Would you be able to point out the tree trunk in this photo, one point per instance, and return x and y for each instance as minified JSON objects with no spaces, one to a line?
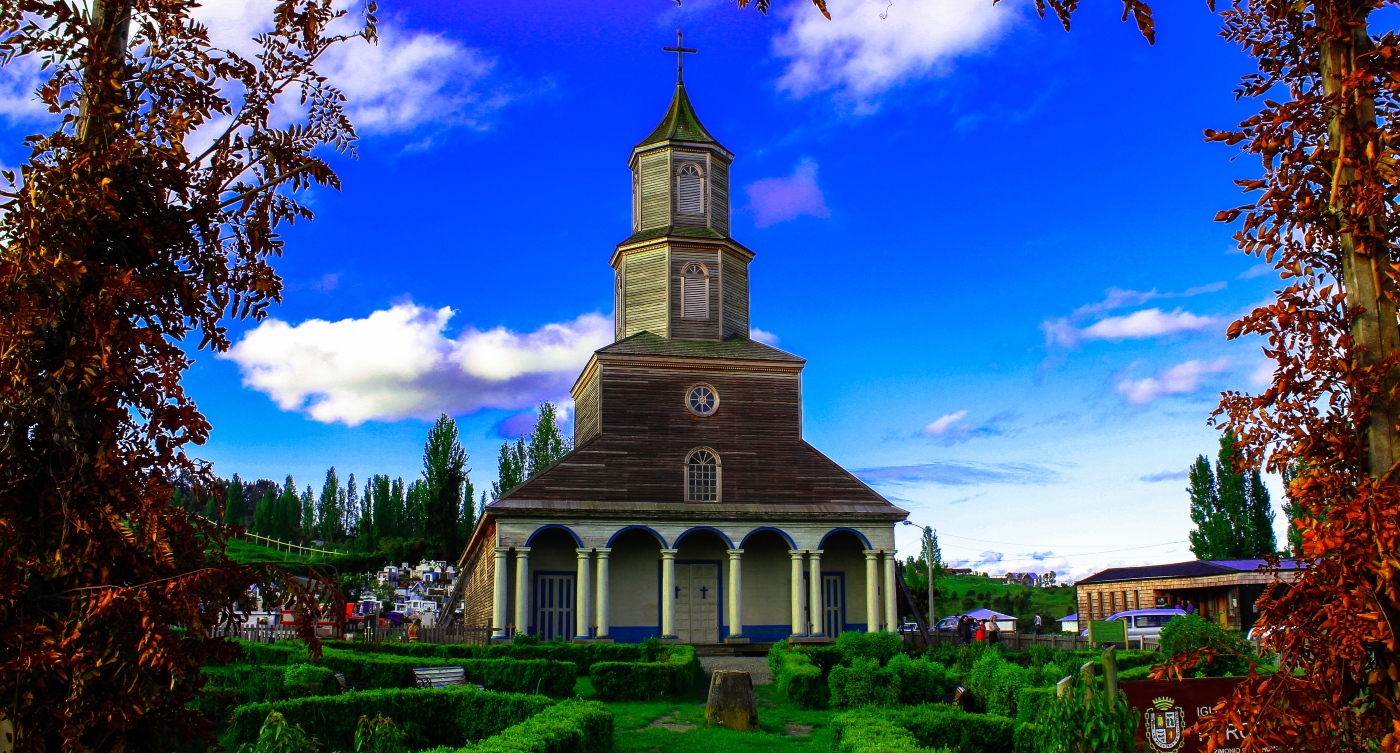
{"x":1365,"y":255}
{"x":731,"y":703}
{"x":111,"y":26}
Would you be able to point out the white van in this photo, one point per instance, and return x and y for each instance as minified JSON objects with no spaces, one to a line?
{"x":1144,"y":623}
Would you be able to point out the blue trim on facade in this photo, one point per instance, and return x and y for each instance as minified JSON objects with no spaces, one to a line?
{"x":855,"y":627}
{"x":703,"y":528}
{"x":570,"y":531}
{"x":621,"y":531}
{"x":852,"y":530}
{"x":791,"y":544}
{"x":633,"y":634}
{"x":767,"y":633}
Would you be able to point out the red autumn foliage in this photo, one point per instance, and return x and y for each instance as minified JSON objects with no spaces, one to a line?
{"x":118,"y":243}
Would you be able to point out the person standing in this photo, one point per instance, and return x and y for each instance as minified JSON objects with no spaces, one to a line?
{"x":993,"y":631}
{"x":981,"y":631}
{"x":413,"y":630}
{"x":1037,"y":624}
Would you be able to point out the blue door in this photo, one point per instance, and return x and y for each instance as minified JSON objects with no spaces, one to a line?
{"x":554,"y":605}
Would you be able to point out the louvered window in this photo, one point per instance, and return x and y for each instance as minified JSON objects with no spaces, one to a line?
{"x":702,"y":477}
{"x":695,"y":292}
{"x":690,"y":190}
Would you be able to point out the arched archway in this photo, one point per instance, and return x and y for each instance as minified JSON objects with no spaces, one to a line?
{"x":634,"y":586}
{"x":702,"y":572}
{"x":843,"y":584}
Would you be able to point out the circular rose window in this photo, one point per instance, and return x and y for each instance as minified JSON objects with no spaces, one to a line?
{"x":702,"y":400}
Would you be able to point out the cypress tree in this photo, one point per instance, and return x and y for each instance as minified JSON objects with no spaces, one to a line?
{"x":286,"y":519}
{"x":444,"y":474}
{"x":398,"y":504}
{"x":1232,"y":512}
{"x":308,"y":515}
{"x":211,"y":510}
{"x":235,"y":505}
{"x":383,"y":509}
{"x":262,"y":514}
{"x":351,"y":511}
{"x":512,"y":465}
{"x":547,"y":443}
{"x":328,"y":507}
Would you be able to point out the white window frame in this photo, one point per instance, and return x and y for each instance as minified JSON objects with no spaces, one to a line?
{"x":718,"y":474}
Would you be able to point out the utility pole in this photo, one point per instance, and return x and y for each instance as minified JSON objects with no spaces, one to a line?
{"x":928,"y":560}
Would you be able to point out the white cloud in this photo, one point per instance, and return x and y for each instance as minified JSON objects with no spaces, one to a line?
{"x":870,"y":46}
{"x":1258,"y":270}
{"x":19,"y":82}
{"x":406,"y":80}
{"x":1146,"y":323}
{"x":775,"y":200}
{"x":1181,"y":379}
{"x":763,"y":336}
{"x":1263,"y":374}
{"x":942,"y":425}
{"x":396,"y":363}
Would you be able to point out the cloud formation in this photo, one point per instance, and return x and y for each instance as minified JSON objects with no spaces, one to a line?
{"x":775,"y":200}
{"x":941,"y":426}
{"x":765,"y":337}
{"x":397,"y":363}
{"x":1146,"y":323}
{"x":954,"y":473}
{"x":1153,"y":478}
{"x":1070,"y":331}
{"x":1258,"y":270}
{"x":951,"y":429}
{"x":871,"y":46}
{"x":19,"y":82}
{"x":1181,"y":379}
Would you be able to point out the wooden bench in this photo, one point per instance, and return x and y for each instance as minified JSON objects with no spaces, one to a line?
{"x":344,"y":685}
{"x":439,"y":677}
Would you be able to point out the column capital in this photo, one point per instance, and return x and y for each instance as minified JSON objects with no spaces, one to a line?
{"x":815,"y":552}
{"x":669,"y":554}
{"x":583,"y":552}
{"x":502,"y":553}
{"x":796,"y":553}
{"x":734,"y":553}
{"x":871,"y":554}
{"x":603,"y":551}
{"x":522,"y":550}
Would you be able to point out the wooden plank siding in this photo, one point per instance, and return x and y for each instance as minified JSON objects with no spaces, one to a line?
{"x":647,"y":432}
{"x":645,"y":292}
{"x":694,"y":329}
{"x":480,"y":572}
{"x":719,"y":194}
{"x":702,"y":159}
{"x":735,"y":311}
{"x":656,"y":188}
{"x":587,"y":420}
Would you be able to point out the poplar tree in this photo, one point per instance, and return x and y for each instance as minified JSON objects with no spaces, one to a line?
{"x":307,"y":529}
{"x":328,"y":506}
{"x":350,"y":514}
{"x":262,"y":514}
{"x":444,"y":475}
{"x":235,"y":505}
{"x":286,"y":520}
{"x":547,"y":443}
{"x":398,"y":507}
{"x":1232,"y":512}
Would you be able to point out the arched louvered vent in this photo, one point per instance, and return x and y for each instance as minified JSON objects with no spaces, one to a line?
{"x":690,"y":190}
{"x":695,"y":292}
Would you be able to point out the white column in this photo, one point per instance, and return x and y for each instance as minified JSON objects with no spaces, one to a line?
{"x":891,"y":620}
{"x":522,"y":590}
{"x":498,"y":603}
{"x":736,"y":594}
{"x":815,"y":606}
{"x":872,"y":591}
{"x":797,"y":626}
{"x":603,"y":592}
{"x":668,"y":593}
{"x":582,"y":596}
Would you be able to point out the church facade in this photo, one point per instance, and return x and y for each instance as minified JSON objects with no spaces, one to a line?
{"x":690,"y":507}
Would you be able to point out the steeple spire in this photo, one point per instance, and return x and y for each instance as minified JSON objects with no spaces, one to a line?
{"x":680,"y":49}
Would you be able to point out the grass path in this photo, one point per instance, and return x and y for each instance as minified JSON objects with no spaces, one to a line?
{"x":678,"y":726}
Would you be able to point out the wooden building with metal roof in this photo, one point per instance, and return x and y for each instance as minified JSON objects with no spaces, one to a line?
{"x":1224,"y":591}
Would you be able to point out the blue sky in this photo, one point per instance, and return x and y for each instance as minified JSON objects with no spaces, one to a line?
{"x":992,"y":240}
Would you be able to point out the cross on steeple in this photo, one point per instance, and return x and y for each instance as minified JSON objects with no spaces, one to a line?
{"x":680,"y":49}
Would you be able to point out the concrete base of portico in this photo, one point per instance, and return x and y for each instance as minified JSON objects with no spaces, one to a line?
{"x":736,"y":639}
{"x":591,"y":640}
{"x":816,"y":639}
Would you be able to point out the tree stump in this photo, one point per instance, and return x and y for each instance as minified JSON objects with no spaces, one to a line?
{"x":731,"y":703}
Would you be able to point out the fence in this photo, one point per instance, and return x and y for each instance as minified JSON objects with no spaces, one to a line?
{"x":283,"y":546}
{"x":1009,"y":641}
{"x":256,"y":633}
{"x":478,"y":636}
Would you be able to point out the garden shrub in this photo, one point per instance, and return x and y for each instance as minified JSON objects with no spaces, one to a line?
{"x":920,"y":680}
{"x":800,"y":681}
{"x":1193,"y":632}
{"x":939,"y":726}
{"x":879,"y":646}
{"x":551,"y":678}
{"x":1026,"y":739}
{"x":278,"y":736}
{"x":448,"y":716}
{"x":1006,"y":681}
{"x":1136,"y":673}
{"x":676,"y":671}
{"x":864,"y":683}
{"x":378,"y":735}
{"x":570,"y":727}
{"x":307,"y":679}
{"x":864,"y":732}
{"x":1030,"y":702}
{"x":584,"y":655}
{"x":283,"y":652}
{"x":1102,"y":724}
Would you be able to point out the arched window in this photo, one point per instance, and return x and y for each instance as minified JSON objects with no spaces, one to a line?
{"x":702,"y":476}
{"x":695,"y":292}
{"x":690,"y":190}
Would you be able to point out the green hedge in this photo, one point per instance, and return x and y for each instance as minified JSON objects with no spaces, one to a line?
{"x":449,"y":716}
{"x":584,"y":655}
{"x":865,"y":732}
{"x":938,"y":726}
{"x":570,"y":727}
{"x":675,"y":672}
{"x":552,"y":678}
{"x":1029,"y":702}
{"x":880,"y":647}
{"x":921,"y":680}
{"x":864,"y":683}
{"x":799,"y":680}
{"x":282,"y":652}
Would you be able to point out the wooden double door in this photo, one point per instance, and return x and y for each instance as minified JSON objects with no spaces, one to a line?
{"x":697,"y":602}
{"x":554,"y":605}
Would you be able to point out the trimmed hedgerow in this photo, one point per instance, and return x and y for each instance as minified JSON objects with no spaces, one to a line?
{"x":283,"y":652}
{"x":552,"y":678}
{"x":1029,"y":702}
{"x":881,"y":647}
{"x":921,"y":680}
{"x":938,"y":726}
{"x":864,"y":732}
{"x":674,"y":672}
{"x":449,"y":716}
{"x":570,"y":727}
{"x":864,"y":683}
{"x":800,"y":681}
{"x":584,"y":655}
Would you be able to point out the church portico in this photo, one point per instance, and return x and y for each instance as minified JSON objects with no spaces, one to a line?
{"x":690,"y":507}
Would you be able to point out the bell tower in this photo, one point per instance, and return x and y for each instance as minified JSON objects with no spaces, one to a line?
{"x":679,"y":275}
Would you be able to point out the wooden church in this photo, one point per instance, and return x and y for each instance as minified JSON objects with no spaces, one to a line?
{"x":690,"y":508}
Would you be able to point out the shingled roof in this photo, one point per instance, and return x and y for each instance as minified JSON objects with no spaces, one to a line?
{"x":680,"y":124}
{"x":737,"y":347}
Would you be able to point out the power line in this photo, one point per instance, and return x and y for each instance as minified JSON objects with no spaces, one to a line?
{"x":1108,"y":551}
{"x":1013,"y":543}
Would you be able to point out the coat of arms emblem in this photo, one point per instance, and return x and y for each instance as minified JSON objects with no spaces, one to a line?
{"x":1166,"y":723}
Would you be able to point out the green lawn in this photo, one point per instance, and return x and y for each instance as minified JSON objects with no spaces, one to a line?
{"x":246,"y":551}
{"x":1053,"y":602}
{"x":679,"y":726}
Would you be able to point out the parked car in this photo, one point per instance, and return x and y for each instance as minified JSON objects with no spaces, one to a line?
{"x":1144,"y":623}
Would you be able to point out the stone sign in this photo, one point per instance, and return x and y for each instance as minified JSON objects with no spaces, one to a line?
{"x":1170,"y":707}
